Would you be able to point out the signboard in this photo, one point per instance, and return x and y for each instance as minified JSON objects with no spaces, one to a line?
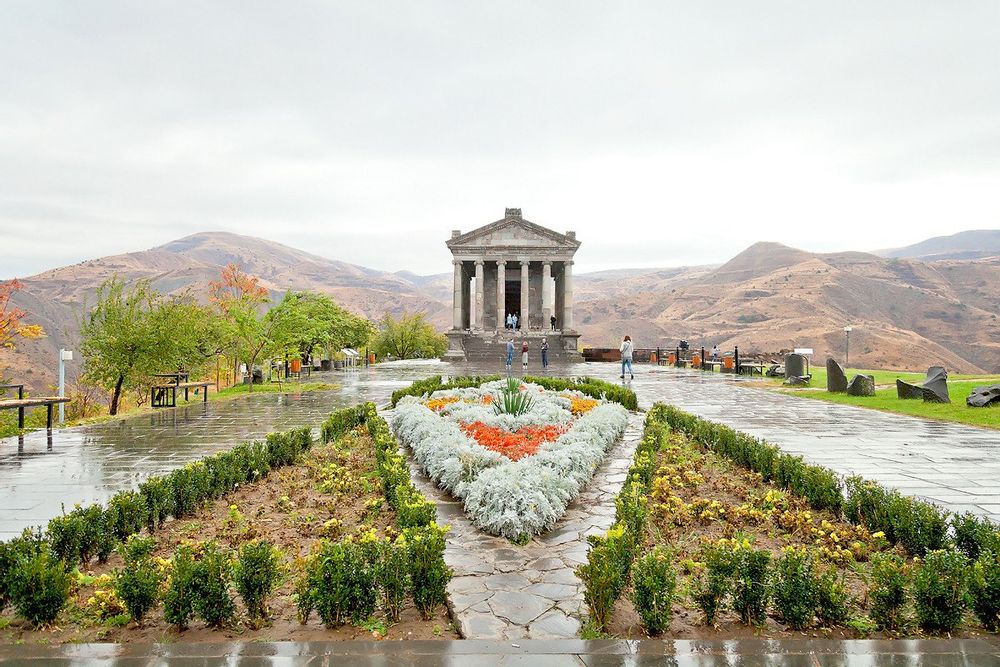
{"x":803,"y":350}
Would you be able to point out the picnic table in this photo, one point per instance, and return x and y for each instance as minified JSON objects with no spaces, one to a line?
{"x":165,"y":395}
{"x":750,"y":367}
{"x":710,"y":365}
{"x":20,"y":403}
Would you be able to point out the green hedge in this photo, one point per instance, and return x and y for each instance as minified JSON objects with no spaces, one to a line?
{"x":435,"y":383}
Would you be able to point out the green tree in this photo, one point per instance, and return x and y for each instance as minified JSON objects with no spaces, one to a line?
{"x":408,"y":337}
{"x":242,"y":300}
{"x":135,"y":332}
{"x":309,"y":321}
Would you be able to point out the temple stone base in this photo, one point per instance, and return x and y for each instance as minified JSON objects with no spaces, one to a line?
{"x":492,"y":346}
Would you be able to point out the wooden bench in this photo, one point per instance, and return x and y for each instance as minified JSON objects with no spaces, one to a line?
{"x":710,"y":365}
{"x":165,"y":395}
{"x":20,"y":403}
{"x":749,"y":368}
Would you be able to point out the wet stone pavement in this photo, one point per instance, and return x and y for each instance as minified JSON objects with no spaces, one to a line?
{"x":504,"y":591}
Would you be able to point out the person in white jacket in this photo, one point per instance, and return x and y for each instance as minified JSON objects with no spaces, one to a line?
{"x":626,"y":350}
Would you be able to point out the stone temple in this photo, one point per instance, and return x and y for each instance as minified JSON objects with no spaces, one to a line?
{"x":512,"y":266}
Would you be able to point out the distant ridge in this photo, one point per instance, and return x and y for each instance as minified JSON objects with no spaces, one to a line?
{"x":971,"y":244}
{"x":907,"y":313}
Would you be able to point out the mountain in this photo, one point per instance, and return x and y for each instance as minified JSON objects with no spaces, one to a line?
{"x":963,"y":245}
{"x":57,"y":299}
{"x":906,"y":313}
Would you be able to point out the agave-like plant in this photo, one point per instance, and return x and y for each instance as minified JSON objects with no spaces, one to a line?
{"x":511,"y":400}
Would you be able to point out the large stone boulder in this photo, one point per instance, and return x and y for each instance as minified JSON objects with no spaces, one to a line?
{"x":836,"y":379}
{"x":982,"y":397}
{"x":861,"y":385}
{"x":798,"y":381}
{"x":906,"y":390}
{"x":935,"y":388}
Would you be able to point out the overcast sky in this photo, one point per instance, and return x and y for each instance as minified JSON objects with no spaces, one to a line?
{"x":663,"y":133}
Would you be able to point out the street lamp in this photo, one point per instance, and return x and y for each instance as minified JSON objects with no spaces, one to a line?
{"x":64,"y":356}
{"x":847,"y":346}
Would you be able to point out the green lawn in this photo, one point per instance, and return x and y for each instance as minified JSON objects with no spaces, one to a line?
{"x":959,"y":386}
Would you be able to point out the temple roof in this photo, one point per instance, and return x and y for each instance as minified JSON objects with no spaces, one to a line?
{"x":515,"y":233}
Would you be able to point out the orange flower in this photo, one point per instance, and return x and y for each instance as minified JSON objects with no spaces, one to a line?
{"x":439,"y":404}
{"x":524,"y":442}
{"x":579,"y":406}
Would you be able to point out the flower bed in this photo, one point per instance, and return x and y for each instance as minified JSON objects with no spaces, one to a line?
{"x":721,"y":534}
{"x":516,"y":473}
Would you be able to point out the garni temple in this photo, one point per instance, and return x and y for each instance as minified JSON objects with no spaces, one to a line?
{"x":512,"y":267}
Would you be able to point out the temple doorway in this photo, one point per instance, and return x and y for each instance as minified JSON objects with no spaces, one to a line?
{"x":512,"y":299}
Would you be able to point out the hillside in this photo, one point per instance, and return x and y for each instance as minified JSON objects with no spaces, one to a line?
{"x":58,"y":298}
{"x":971,"y":244}
{"x":906,"y":313}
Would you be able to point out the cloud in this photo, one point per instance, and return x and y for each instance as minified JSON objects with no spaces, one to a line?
{"x":663,"y":133}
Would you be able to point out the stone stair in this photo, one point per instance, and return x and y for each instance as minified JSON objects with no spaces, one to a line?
{"x":489,"y":347}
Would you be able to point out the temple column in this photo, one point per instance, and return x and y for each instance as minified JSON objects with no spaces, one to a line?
{"x":501,"y":294}
{"x":457,"y":320}
{"x":525,"y":293}
{"x":546,"y":294}
{"x":466,"y":299}
{"x":480,"y":297}
{"x":568,"y":296}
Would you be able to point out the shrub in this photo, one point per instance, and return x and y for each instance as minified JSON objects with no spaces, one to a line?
{"x":631,"y":510}
{"x":984,"y":589}
{"x":751,"y":583}
{"x":329,"y":584}
{"x":303,"y":592}
{"x":178,"y":601}
{"x":412,"y":508}
{"x":40,"y":586}
{"x":796,"y":587}
{"x":711,"y":587}
{"x":832,"y":598}
{"x":889,"y":580}
{"x":159,"y":496}
{"x":138,"y":584}
{"x":190,"y":486}
{"x":65,"y":535}
{"x":210,"y":579}
{"x":654,"y":581}
{"x":918,"y":526}
{"x":606,"y":572}
{"x":340,"y":422}
{"x":429,"y":574}
{"x":98,"y":538}
{"x":394,"y":577}
{"x":939,"y":590}
{"x":975,"y":536}
{"x":126,"y":514}
{"x":256,"y":574}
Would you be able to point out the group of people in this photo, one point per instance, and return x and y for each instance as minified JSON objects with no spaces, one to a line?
{"x":512,"y":322}
{"x":543,"y":348}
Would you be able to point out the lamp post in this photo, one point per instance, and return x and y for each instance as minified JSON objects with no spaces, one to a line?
{"x":64,"y":356}
{"x":847,"y":345}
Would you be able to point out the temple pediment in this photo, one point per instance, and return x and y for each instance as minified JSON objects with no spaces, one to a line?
{"x":513,"y":232}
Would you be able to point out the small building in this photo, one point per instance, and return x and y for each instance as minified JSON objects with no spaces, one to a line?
{"x":512,"y":267}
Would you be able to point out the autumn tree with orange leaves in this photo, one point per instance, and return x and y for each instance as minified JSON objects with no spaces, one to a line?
{"x":242,"y":300}
{"x":12,"y":324}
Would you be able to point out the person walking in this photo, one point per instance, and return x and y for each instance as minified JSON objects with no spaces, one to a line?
{"x":552,"y":321}
{"x":510,"y":353}
{"x":626,"y":350}
{"x":510,"y":322}
{"x":545,"y":354}
{"x":524,"y":354}
{"x":513,"y":321}
{"x":715,"y":353}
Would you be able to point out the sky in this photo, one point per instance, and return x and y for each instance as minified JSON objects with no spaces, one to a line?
{"x":663,"y":133}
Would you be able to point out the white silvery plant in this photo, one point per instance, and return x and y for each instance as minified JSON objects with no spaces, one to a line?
{"x":509,"y":498}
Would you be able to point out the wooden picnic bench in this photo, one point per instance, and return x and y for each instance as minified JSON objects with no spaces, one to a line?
{"x":165,"y":395}
{"x":749,"y":368}
{"x":20,"y":403}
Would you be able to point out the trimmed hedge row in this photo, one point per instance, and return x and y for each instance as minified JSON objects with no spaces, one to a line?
{"x":412,"y":508}
{"x":34,"y":567}
{"x":586,"y":385}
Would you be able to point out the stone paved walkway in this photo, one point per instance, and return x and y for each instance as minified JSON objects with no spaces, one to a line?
{"x":503,"y":591}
